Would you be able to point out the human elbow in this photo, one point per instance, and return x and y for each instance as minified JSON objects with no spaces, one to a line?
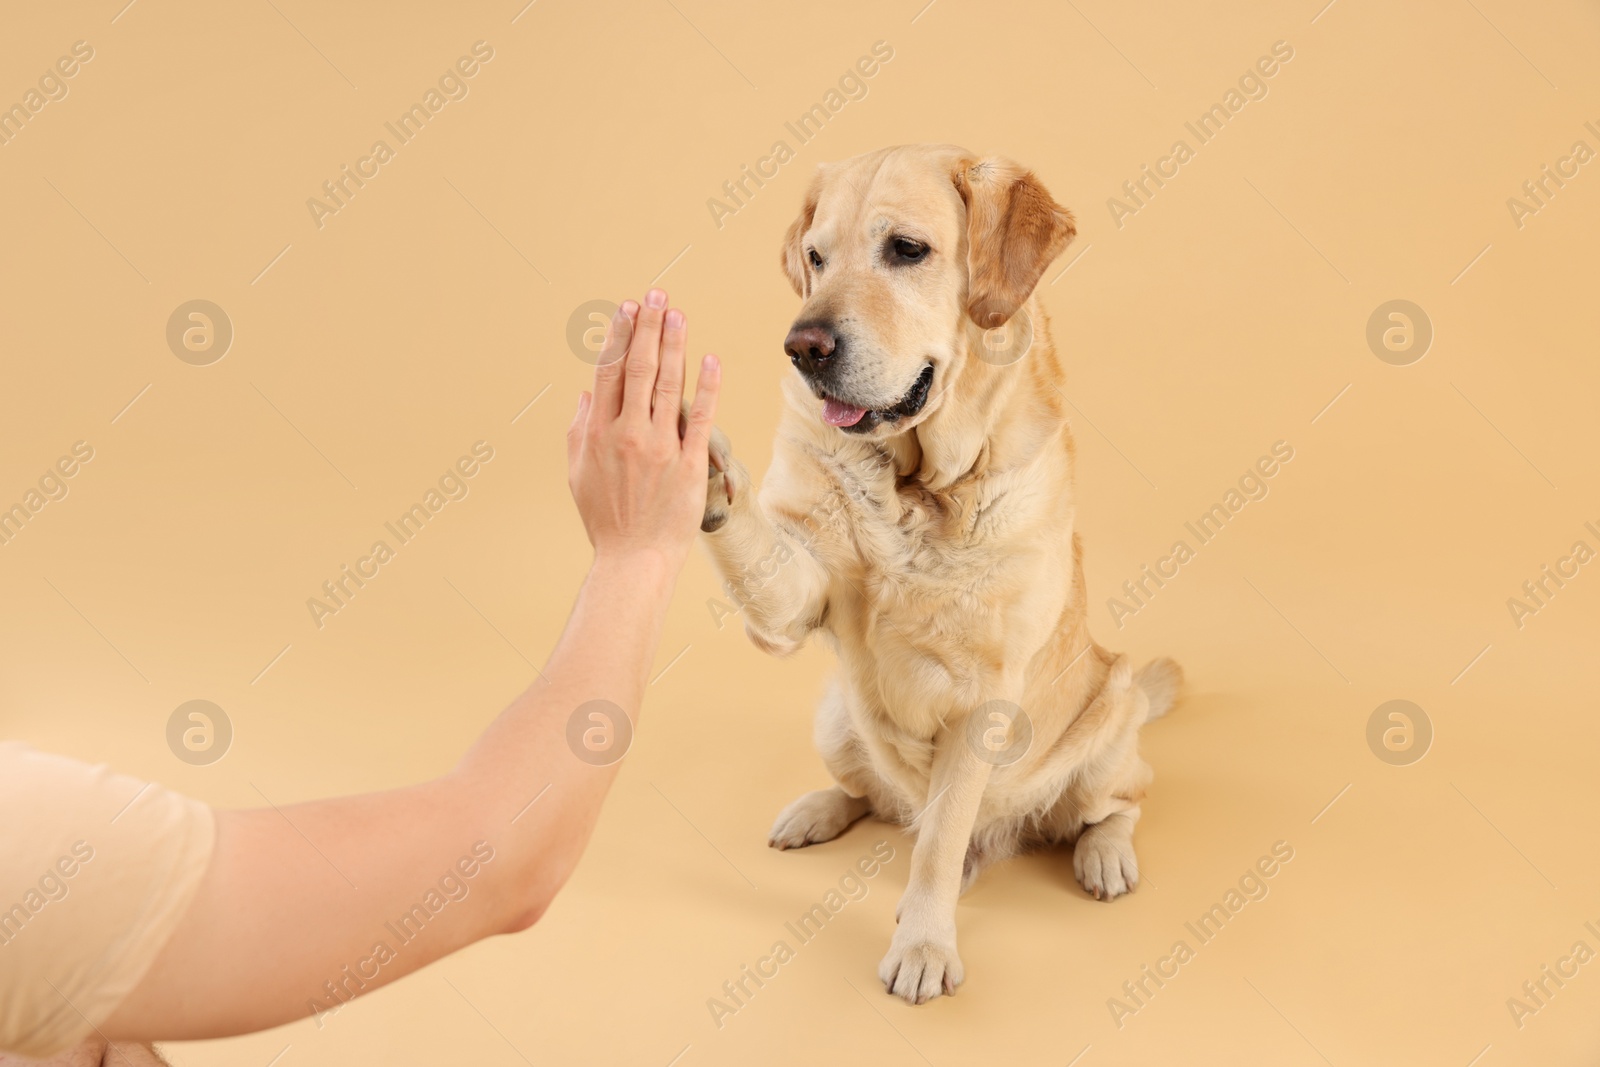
{"x":536,"y":891}
{"x":522,"y":919}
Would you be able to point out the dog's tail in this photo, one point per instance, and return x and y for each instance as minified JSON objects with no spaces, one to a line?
{"x":1161,"y":679}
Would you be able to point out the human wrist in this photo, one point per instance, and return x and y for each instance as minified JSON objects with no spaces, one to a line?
{"x":646,"y":570}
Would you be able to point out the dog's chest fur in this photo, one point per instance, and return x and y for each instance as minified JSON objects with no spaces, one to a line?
{"x":933,"y":593}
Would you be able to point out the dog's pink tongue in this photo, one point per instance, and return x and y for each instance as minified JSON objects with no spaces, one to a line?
{"x":838,"y":413}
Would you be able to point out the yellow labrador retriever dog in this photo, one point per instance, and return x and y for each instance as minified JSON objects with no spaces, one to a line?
{"x":919,"y":512}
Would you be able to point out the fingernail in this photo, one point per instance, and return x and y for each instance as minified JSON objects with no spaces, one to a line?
{"x":630,"y":308}
{"x":674,"y":319}
{"x":656,"y":298}
{"x":711,"y":362}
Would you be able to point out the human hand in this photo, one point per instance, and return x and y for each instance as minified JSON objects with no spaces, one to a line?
{"x":638,"y":480}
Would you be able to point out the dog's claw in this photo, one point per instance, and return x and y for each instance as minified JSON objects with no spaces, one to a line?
{"x":1104,"y":863}
{"x":920,"y":971}
{"x":719,"y":469}
{"x":816,"y":817}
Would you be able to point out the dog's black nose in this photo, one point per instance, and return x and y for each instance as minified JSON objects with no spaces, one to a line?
{"x":810,"y":347}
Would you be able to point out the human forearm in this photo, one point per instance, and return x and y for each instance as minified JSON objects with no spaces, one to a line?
{"x":298,"y":898}
{"x":604,"y":655}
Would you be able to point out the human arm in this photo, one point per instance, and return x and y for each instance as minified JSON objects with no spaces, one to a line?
{"x":287,"y":918}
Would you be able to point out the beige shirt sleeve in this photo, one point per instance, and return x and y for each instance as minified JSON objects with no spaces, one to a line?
{"x":96,"y":870}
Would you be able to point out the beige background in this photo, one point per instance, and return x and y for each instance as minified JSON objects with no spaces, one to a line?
{"x":1222,"y":317}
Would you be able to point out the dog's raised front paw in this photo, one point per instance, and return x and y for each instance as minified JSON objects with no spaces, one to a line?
{"x":719,"y":482}
{"x":1104,"y":863}
{"x":917,"y":969}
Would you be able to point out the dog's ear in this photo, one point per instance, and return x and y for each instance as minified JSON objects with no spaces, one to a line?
{"x":792,"y":256}
{"x":1014,"y":230}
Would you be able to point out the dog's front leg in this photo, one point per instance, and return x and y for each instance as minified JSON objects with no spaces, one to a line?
{"x":768,"y":569}
{"x":922,"y":961}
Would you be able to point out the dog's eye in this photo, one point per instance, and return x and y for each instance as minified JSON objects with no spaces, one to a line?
{"x":816,"y":260}
{"x":906,"y":250}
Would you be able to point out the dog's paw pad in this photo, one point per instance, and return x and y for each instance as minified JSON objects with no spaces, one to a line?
{"x":717,"y":493}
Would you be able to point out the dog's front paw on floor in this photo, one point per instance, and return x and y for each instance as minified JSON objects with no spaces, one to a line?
{"x":917,"y":969}
{"x":816,"y":817}
{"x":1104,"y":863}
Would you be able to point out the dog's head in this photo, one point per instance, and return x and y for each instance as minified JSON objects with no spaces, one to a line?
{"x":900,"y":255}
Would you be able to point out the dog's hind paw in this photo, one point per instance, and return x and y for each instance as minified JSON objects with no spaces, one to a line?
{"x":816,"y":817}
